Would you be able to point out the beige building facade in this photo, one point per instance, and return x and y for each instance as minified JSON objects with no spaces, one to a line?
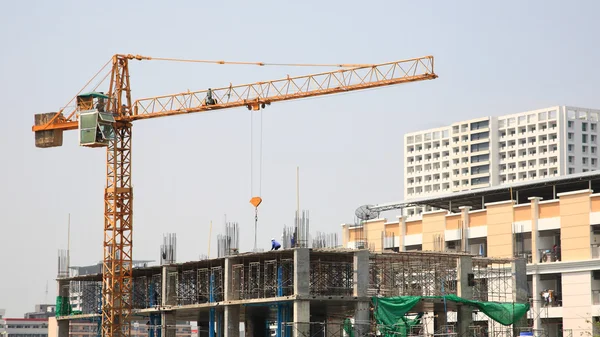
{"x":559,"y":236}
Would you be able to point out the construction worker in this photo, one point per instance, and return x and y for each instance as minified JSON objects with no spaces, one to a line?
{"x":275,"y":245}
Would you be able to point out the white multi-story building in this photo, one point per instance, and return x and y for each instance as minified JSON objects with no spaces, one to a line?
{"x":490,"y":151}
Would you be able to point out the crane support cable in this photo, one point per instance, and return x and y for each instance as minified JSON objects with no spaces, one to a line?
{"x":70,"y":116}
{"x":262,"y":64}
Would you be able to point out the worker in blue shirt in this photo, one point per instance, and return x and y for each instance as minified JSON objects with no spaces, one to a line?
{"x":274,"y":244}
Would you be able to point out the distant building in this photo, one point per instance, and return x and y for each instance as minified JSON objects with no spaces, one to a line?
{"x":3,"y":332}
{"x":42,"y":311}
{"x":493,"y":151}
{"x":26,"y":327}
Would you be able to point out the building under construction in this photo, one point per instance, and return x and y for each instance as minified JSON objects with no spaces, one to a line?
{"x":318,"y":292}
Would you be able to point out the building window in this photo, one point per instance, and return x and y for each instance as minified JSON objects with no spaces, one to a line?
{"x":480,"y":169}
{"x":481,"y":135}
{"x":480,"y":125}
{"x":570,"y":147}
{"x":584,"y":160}
{"x":583,"y":126}
{"x":570,"y":124}
{"x":571,"y":170}
{"x":570,"y":135}
{"x":584,"y":148}
{"x":480,"y":147}
{"x":594,"y":161}
{"x":593,"y":126}
{"x":571,"y":159}
{"x":584,"y":138}
{"x":482,"y":180}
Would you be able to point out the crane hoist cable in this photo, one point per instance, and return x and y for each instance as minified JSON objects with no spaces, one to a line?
{"x":256,"y":200}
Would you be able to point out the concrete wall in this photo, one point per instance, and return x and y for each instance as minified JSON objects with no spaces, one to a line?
{"x":434,"y":224}
{"x":500,"y":222}
{"x":575,"y":225}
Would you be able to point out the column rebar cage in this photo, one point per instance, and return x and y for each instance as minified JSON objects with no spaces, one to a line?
{"x":63,"y":263}
{"x":412,"y":274}
{"x":228,"y":243}
{"x":325,"y":240}
{"x":302,"y":229}
{"x":168,"y":250}
{"x":329,"y":276}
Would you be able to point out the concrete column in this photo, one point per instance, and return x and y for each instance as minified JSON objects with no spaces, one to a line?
{"x":440,"y":319}
{"x":232,"y":321}
{"x":302,"y":290}
{"x":519,"y":289}
{"x":535,"y":232}
{"x":301,"y":318}
{"x":63,"y":328}
{"x":537,"y":303}
{"x":168,"y":324}
{"x":402,"y":222}
{"x":301,"y":272}
{"x":361,"y":286}
{"x":361,"y":273}
{"x":169,"y":288}
{"x":464,"y":315}
{"x":202,"y":329}
{"x":231,"y":285}
{"x":63,"y":291}
{"x":464,"y":239}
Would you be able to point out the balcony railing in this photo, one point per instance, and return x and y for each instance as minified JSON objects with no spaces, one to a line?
{"x":548,"y":255}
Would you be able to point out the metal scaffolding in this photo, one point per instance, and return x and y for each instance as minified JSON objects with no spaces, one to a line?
{"x":412,"y":274}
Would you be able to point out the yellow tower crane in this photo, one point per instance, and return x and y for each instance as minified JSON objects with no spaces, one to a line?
{"x":105,"y":120}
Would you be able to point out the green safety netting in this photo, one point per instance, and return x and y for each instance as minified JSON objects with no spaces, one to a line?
{"x":63,"y":307}
{"x":389,"y":311}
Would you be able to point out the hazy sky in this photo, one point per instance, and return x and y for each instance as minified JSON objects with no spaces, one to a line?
{"x":504,"y":58}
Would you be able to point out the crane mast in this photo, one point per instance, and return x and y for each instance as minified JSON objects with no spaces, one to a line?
{"x":109,"y":124}
{"x":117,"y":267}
